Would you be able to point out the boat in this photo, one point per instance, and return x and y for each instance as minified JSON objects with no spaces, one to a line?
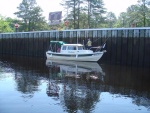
{"x":59,"y":50}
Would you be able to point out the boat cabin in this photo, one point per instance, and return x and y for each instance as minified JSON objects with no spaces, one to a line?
{"x":72,"y":48}
{"x":62,"y":47}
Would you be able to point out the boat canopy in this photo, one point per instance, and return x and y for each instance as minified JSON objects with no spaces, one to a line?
{"x":58,"y":43}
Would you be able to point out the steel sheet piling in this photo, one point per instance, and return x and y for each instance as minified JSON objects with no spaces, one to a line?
{"x":125,"y":46}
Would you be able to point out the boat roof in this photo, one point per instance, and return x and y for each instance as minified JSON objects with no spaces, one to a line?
{"x":73,"y":45}
{"x":57,"y":42}
{"x":63,"y":43}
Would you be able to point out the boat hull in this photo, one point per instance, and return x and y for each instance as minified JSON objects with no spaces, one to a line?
{"x":74,"y":57}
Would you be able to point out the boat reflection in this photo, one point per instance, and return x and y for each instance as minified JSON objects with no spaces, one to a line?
{"x":60,"y":70}
{"x":77,"y":69}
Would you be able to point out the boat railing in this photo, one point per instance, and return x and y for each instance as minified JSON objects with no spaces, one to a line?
{"x":96,"y":49}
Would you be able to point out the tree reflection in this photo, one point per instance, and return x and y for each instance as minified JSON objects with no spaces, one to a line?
{"x":27,"y":83}
{"x":52,"y":89}
{"x":80,"y":91}
{"x":78,"y":99}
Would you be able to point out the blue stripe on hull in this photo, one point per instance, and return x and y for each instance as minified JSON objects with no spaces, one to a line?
{"x":70,"y":55}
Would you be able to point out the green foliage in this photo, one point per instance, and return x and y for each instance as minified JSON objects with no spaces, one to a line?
{"x":5,"y":25}
{"x":110,"y":19}
{"x":31,"y":15}
{"x":137,"y":15}
{"x":84,"y":13}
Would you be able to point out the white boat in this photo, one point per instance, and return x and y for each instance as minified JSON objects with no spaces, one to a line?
{"x":73,"y":52}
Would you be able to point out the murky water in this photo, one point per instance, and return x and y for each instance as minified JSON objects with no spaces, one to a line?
{"x":44,"y":86}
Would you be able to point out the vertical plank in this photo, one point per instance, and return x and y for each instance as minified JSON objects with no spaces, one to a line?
{"x":124,"y":45}
{"x":147,"y":49}
{"x":135,"y":52}
{"x":119,"y":46}
{"x":1,"y":44}
{"x":130,"y":47}
{"x":141,"y":48}
{"x":114,"y":48}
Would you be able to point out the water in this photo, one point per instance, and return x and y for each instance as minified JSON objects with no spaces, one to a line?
{"x":44,"y":86}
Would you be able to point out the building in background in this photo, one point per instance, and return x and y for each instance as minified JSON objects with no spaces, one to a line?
{"x":55,"y":18}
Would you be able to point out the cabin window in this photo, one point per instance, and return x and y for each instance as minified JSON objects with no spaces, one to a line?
{"x":74,"y":48}
{"x":80,"y":48}
{"x":64,"y":48}
{"x":71,"y":47}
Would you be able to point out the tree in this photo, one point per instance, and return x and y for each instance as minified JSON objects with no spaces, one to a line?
{"x":31,"y":15}
{"x":132,"y":16}
{"x":72,"y":9}
{"x":92,"y":10}
{"x":5,"y":25}
{"x":143,"y":9}
{"x":95,"y":11}
{"x":122,"y":20}
{"x":111,"y":19}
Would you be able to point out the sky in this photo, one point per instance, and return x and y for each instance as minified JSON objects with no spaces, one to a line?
{"x":8,"y":7}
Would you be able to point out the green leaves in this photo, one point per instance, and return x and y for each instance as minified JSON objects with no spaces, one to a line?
{"x":84,"y":13}
{"x":4,"y":25}
{"x":31,"y":15}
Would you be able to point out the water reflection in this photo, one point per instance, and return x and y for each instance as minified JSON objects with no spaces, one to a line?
{"x":77,"y":69}
{"x":78,"y":88}
{"x":83,"y":83}
{"x":72,"y":87}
